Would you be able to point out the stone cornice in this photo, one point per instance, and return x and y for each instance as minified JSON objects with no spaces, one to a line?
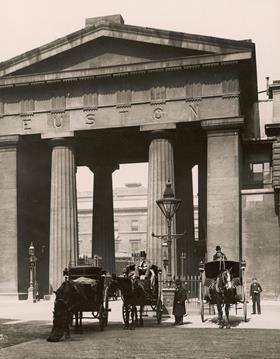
{"x":222,"y":123}
{"x":185,"y":63}
{"x":9,"y":141}
{"x":128,"y":32}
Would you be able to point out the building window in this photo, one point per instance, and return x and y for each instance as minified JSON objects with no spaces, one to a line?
{"x":134,"y":246}
{"x":260,"y":172}
{"x":134,"y":225}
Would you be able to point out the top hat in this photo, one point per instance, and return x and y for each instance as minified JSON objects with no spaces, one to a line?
{"x":218,"y":248}
{"x":142,"y":254}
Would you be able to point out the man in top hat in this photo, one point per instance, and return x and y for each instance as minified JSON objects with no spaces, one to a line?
{"x":179,"y":308}
{"x":219,"y":255}
{"x":145,"y":269}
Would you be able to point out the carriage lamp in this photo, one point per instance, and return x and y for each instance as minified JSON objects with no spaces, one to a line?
{"x":168,"y":206}
{"x":243,"y":265}
{"x":32,"y":277}
{"x":201,"y":267}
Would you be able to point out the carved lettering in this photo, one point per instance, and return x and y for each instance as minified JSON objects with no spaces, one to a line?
{"x":90,"y":119}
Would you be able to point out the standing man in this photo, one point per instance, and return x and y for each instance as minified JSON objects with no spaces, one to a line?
{"x":219,"y":255}
{"x":255,"y":293}
{"x":179,"y":308}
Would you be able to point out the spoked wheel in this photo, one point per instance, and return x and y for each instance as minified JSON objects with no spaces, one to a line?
{"x":159,"y":311}
{"x":102,"y":317}
{"x":106,"y":306}
{"x":201,"y":303}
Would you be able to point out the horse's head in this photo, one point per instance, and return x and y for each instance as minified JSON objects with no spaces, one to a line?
{"x":226,"y":279}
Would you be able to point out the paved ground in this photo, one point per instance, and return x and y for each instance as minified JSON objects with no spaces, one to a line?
{"x":24,"y":327}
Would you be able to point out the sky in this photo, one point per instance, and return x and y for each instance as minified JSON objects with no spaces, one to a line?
{"x":27,"y":24}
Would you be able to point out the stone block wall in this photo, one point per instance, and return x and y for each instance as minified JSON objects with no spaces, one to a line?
{"x":261,"y":240}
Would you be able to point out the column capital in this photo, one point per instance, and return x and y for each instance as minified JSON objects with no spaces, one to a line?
{"x":223,"y":124}
{"x":161,"y":134}
{"x":104,"y":166}
{"x":63,"y":142}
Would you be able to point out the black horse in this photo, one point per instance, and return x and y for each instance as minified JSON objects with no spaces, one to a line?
{"x":223,"y":293}
{"x":133,"y":295}
{"x":70,"y":298}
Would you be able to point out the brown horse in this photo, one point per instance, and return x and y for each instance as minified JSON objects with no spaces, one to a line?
{"x":133,"y":295}
{"x":70,"y":297}
{"x":223,"y":293}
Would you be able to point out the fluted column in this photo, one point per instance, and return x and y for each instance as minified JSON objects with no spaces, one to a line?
{"x":103,"y":242}
{"x":161,"y":169}
{"x":63,"y":221}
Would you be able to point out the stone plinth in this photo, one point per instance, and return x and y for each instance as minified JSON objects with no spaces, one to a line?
{"x":167,"y":299}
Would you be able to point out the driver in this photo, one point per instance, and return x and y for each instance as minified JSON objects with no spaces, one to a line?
{"x":145,"y":270}
{"x":219,"y":255}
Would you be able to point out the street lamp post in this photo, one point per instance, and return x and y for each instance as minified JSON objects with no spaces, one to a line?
{"x":168,"y":206}
{"x":183,"y":257}
{"x":32,"y":275}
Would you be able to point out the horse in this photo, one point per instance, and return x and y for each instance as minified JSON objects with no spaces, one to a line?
{"x":70,"y":297}
{"x":133,"y":295}
{"x":223,"y":293}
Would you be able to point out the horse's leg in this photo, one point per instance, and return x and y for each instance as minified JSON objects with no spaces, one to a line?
{"x":220,"y":315}
{"x":126,"y":324}
{"x":227,"y":315}
{"x":133,"y":317}
{"x":76,"y":322}
{"x":141,"y":316}
{"x":67,"y":323}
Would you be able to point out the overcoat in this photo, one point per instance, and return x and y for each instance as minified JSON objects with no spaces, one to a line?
{"x":180,"y":297}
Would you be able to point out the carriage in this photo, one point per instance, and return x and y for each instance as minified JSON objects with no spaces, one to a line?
{"x":152,"y":301}
{"x":95,"y":284}
{"x":209,"y":273}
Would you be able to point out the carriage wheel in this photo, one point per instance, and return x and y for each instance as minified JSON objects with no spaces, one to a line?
{"x":159,"y":311}
{"x":102,"y":317}
{"x":201,"y":303}
{"x":106,"y":306}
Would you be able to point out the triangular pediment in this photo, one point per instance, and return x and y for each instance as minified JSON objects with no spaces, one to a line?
{"x":110,"y":44}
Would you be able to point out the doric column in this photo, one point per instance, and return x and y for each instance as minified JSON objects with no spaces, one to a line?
{"x":8,"y":216}
{"x":161,"y":169}
{"x":63,"y":216}
{"x":103,"y":243}
{"x":223,"y":186}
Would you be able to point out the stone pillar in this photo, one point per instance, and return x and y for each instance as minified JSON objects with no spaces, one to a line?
{"x":161,"y":169}
{"x":185,"y":216}
{"x":103,"y":242}
{"x":8,"y":216}
{"x":63,"y":213}
{"x":223,"y":186}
